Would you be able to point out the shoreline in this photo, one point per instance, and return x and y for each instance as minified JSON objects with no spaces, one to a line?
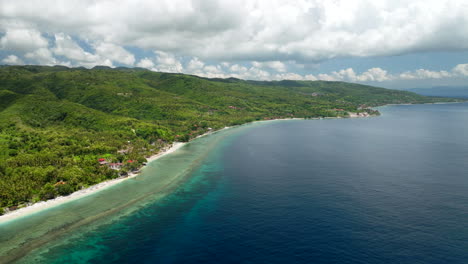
{"x":43,"y":205}
{"x":60,"y":200}
{"x":425,"y":103}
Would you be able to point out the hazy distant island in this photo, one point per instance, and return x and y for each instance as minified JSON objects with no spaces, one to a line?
{"x":64,"y":129}
{"x":446,"y":91}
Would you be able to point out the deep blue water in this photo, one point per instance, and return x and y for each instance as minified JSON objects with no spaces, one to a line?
{"x":389,"y":189}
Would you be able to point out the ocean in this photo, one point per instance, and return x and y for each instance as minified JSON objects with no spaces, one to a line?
{"x":387,"y":189}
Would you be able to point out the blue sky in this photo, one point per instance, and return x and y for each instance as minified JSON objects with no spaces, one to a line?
{"x":393,"y":44}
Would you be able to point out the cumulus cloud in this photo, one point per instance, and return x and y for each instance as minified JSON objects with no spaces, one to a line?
{"x":41,"y":56}
{"x":249,"y":39}
{"x":256,"y":74}
{"x":145,"y":63}
{"x":371,"y":75}
{"x":424,"y":74}
{"x":461,"y":69}
{"x":236,"y":68}
{"x":67,"y":47}
{"x":274,"y":65}
{"x":288,"y":76}
{"x":310,"y":77}
{"x":348,"y":74}
{"x":253,"y":30}
{"x":167,"y":62}
{"x":213,"y":71}
{"x":198,"y":67}
{"x":12,"y":60}
{"x":374,"y":74}
{"x":115,"y":53}
{"x":104,"y":55}
{"x":23,"y":40}
{"x":380,"y":75}
{"x":195,"y":64}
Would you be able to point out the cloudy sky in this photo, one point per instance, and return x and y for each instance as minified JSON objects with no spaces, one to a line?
{"x":389,"y":43}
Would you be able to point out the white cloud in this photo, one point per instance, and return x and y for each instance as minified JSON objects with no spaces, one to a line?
{"x":238,"y":69}
{"x":249,"y":30}
{"x":374,"y":74}
{"x":41,"y":56}
{"x":23,"y":40}
{"x":310,"y":77}
{"x":65,"y":46}
{"x":12,"y":60}
{"x":102,"y":62}
{"x":167,"y":62}
{"x":274,"y":65}
{"x":288,"y":76}
{"x":256,"y":74}
{"x":344,"y":74}
{"x":249,"y":39}
{"x":424,"y":74}
{"x":461,"y":69}
{"x":380,"y":75}
{"x":326,"y":77}
{"x":145,"y":63}
{"x":195,"y":64}
{"x":115,"y":53}
{"x":213,"y":71}
{"x":371,"y":75}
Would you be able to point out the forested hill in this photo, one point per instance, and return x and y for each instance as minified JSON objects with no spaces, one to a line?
{"x":61,"y":128}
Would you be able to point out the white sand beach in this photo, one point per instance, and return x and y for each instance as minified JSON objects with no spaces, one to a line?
{"x":36,"y":207}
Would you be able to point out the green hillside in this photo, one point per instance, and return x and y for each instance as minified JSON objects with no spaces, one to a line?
{"x":56,"y":122}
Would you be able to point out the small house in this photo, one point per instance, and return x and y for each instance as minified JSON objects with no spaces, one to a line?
{"x":115,"y":166}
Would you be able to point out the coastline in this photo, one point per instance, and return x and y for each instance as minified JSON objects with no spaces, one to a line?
{"x":43,"y":205}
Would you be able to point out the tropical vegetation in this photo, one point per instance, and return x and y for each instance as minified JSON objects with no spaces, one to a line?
{"x":63,"y":129}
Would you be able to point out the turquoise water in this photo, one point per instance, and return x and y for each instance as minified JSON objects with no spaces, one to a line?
{"x":389,"y":189}
{"x":27,"y":238}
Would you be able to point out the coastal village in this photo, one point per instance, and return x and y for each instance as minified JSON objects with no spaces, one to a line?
{"x":114,"y":165}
